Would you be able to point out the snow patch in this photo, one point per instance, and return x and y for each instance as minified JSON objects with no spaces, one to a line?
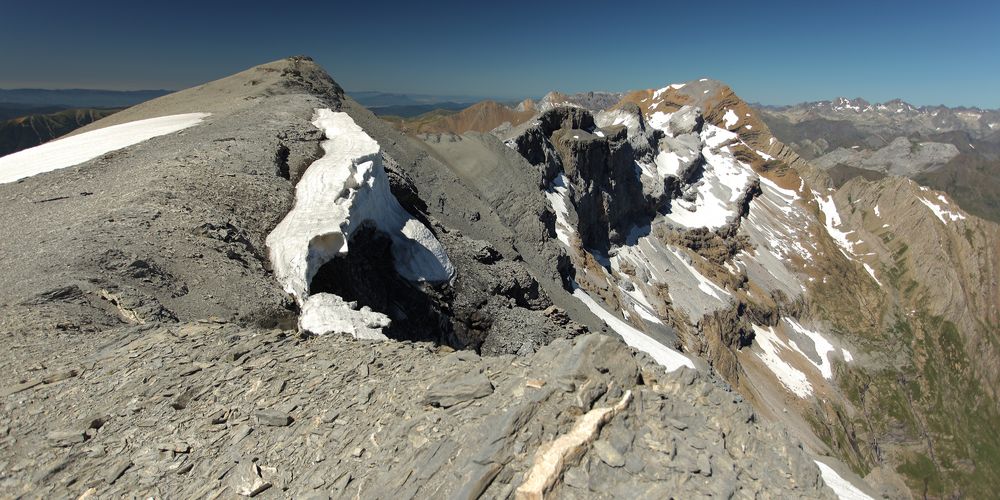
{"x":338,"y":193}
{"x":667,"y":163}
{"x":789,"y":195}
{"x":714,"y":136}
{"x":832,"y":221}
{"x":704,"y":284}
{"x":655,"y":263}
{"x":77,"y":149}
{"x":325,"y":313}
{"x":730,"y":118}
{"x":558,"y":196}
{"x":871,"y":272}
{"x":610,"y":118}
{"x":659,"y":92}
{"x":659,"y":119}
{"x":941,"y":212}
{"x":840,"y":486}
{"x":724,"y":181}
{"x":820,"y":343}
{"x":771,"y":348}
{"x":665,"y":356}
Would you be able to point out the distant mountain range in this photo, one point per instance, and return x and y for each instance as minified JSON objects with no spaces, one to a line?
{"x":29,"y":117}
{"x":78,"y":98}
{"x":410,"y":105}
{"x":29,"y":131}
{"x":956,"y":150}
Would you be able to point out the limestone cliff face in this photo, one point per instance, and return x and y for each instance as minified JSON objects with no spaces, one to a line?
{"x":895,"y":271}
{"x":599,"y":165}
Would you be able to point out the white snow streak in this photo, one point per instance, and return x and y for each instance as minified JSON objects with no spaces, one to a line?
{"x":74,"y":150}
{"x":871,"y":272}
{"x":558,"y":196}
{"x":832,"y":221}
{"x":941,"y":212}
{"x":840,"y":486}
{"x":669,"y":358}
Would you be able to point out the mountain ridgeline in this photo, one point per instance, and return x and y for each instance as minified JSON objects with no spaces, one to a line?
{"x":955,"y":150}
{"x":598,"y":295}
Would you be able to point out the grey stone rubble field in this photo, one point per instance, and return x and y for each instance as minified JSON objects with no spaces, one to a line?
{"x":214,"y":410}
{"x":115,"y":384}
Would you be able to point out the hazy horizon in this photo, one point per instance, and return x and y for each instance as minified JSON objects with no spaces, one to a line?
{"x":782,"y":53}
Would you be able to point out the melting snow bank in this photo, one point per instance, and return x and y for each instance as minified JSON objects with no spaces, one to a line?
{"x":328,"y":313}
{"x":70,"y":151}
{"x":669,"y":358}
{"x":840,"y":486}
{"x":338,"y":193}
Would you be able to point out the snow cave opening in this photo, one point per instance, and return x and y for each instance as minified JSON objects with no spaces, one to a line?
{"x":367,"y":275}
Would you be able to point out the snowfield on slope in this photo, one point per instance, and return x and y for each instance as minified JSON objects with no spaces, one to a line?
{"x":832,"y":222}
{"x":77,"y":149}
{"x":669,"y":358}
{"x":772,"y":348}
{"x":338,"y":193}
{"x":723,"y":184}
{"x":840,"y":486}
{"x":940,"y":212}
{"x":781,"y":356}
{"x":656,"y":262}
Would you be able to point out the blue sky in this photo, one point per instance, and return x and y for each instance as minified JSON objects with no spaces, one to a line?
{"x":780,"y":52}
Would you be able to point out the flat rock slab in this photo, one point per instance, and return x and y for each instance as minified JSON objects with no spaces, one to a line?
{"x":274,"y":418}
{"x":608,"y":454}
{"x":466,"y":388}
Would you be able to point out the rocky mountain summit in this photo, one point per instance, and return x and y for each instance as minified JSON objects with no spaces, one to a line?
{"x":259,"y":288}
